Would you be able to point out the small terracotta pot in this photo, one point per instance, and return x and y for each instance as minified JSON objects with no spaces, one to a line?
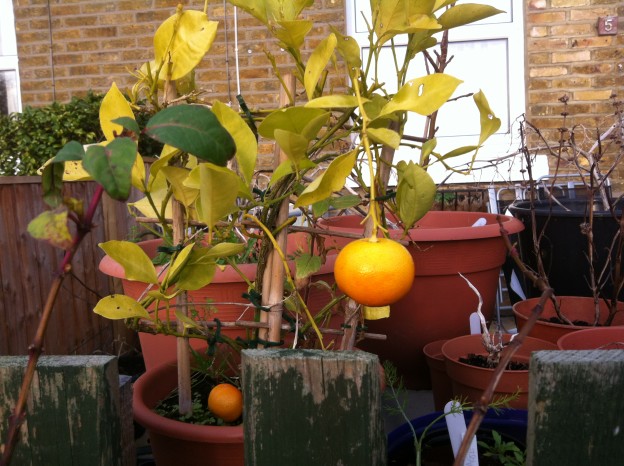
{"x":176,"y":443}
{"x":441,"y":384}
{"x":605,"y":338}
{"x":470,"y":381}
{"x":575,"y":308}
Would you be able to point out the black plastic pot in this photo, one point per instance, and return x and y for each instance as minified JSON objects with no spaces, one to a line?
{"x":511,"y":424}
{"x":564,"y":245}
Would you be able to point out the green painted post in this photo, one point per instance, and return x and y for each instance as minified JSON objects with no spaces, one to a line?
{"x":576,"y":408}
{"x":73,"y":414}
{"x":312,"y":407}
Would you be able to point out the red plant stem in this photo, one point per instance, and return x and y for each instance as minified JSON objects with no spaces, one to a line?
{"x":36,"y":348}
{"x":482,"y":404}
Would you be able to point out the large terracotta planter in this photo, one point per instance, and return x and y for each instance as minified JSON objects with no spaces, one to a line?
{"x":439,"y":303}
{"x":176,"y":443}
{"x":470,"y":381}
{"x":575,"y":308}
{"x":227,"y":287}
{"x":606,"y":338}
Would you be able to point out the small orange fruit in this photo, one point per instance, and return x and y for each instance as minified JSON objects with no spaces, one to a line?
{"x":374,"y":273}
{"x":226,"y":402}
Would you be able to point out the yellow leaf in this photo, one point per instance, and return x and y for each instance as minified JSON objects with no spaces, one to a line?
{"x":114,"y":105}
{"x":119,"y":306}
{"x":132,"y":258}
{"x":183,"y":38}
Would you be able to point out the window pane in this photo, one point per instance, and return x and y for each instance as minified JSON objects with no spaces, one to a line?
{"x":8,"y":92}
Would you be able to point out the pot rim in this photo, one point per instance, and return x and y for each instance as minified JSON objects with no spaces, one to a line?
{"x":148,"y":383}
{"x":427,"y":231}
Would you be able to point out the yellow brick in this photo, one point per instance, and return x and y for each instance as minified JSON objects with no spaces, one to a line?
{"x":590,"y":14}
{"x":538,"y":31}
{"x":568,"y":3}
{"x":567,"y":57}
{"x":545,"y":71}
{"x":592,"y":95}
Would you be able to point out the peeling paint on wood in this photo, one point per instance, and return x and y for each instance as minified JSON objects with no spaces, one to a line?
{"x":73,"y":412}
{"x":312,"y":407}
{"x":576,"y":408}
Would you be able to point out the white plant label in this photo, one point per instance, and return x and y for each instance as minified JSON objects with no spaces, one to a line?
{"x":456,"y":425}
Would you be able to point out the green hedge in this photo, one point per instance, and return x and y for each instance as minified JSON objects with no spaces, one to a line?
{"x":30,"y":138}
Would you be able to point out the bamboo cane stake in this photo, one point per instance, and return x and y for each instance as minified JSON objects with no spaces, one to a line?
{"x":273,"y":279}
{"x":182,"y":348}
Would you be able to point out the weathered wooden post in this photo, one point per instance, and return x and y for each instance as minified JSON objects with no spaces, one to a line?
{"x":312,"y":407}
{"x":76,"y":415}
{"x":576,"y":408}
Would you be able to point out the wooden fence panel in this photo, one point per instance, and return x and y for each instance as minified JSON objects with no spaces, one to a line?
{"x":28,"y":266}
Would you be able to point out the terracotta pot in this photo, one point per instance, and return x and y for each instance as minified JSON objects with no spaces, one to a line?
{"x":575,"y":308}
{"x":226,"y":287}
{"x":470,"y":381}
{"x":439,"y":303}
{"x":176,"y":443}
{"x":605,"y":338}
{"x":441,"y":384}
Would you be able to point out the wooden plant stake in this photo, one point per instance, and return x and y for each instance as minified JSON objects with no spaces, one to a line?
{"x":182,"y":350}
{"x":273,"y":279}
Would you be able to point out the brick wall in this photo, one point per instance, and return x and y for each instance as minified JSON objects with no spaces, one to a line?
{"x":93,"y":43}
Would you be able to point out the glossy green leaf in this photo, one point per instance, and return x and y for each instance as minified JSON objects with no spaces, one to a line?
{"x":333,"y":179}
{"x":246,"y":144}
{"x":316,"y":64}
{"x":466,"y":13}
{"x":114,"y":105}
{"x":314,"y":126}
{"x":489,"y":122}
{"x":415,"y":193}
{"x":306,"y":265}
{"x":193,"y":129}
{"x":52,"y":184}
{"x":423,"y":95}
{"x":111,"y":166}
{"x":119,"y":306}
{"x":293,"y":119}
{"x":268,"y":11}
{"x":218,"y":189}
{"x":73,"y":150}
{"x":291,"y":34}
{"x":129,"y":124}
{"x":183,"y":39}
{"x":136,"y":264}
{"x":335,"y":101}
{"x":51,"y":226}
{"x":385,"y":136}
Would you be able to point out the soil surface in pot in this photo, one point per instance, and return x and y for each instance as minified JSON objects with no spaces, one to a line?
{"x":480,"y":360}
{"x":202,"y":384}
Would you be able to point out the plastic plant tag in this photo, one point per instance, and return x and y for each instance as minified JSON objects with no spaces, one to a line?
{"x":475,"y":324}
{"x":456,"y":425}
{"x":481,"y":222}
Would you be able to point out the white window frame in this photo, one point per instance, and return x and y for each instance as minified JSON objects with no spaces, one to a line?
{"x":8,"y":51}
{"x":509,"y":27}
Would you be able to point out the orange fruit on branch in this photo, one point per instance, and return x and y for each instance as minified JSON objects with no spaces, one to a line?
{"x":226,"y":402}
{"x":374,"y":273}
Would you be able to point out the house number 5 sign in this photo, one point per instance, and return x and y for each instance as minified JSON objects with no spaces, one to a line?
{"x":607,"y":25}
